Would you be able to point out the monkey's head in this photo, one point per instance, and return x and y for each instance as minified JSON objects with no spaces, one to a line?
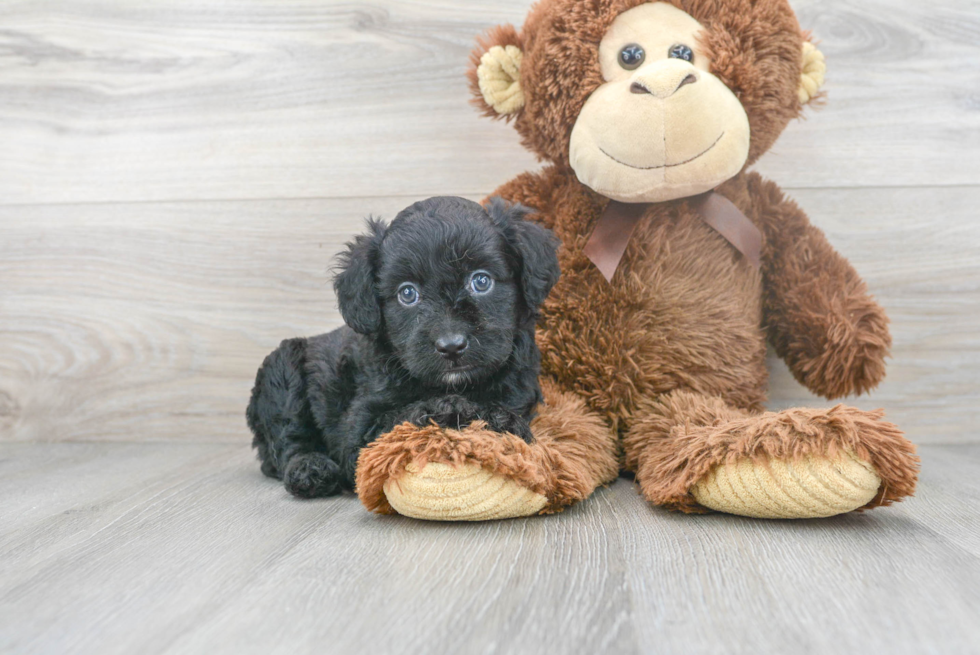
{"x":649,"y":101}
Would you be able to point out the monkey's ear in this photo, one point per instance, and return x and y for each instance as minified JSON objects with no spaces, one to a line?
{"x":536,"y":249}
{"x":354,"y":283}
{"x":812,"y":73}
{"x":495,"y":72}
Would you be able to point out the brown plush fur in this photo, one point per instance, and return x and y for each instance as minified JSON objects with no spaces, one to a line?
{"x":685,"y":313}
{"x":671,"y":352}
{"x":572,"y":454}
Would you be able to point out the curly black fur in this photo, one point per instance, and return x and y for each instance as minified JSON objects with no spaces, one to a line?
{"x":454,"y":356}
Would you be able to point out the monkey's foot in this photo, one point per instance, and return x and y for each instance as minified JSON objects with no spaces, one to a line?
{"x":809,"y":487}
{"x":441,"y":492}
{"x":798,"y":463}
{"x":475,"y":474}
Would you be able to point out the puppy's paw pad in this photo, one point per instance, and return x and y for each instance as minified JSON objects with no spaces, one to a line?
{"x":312,"y":475}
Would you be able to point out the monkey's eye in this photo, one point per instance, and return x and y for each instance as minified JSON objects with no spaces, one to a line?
{"x":407,"y":294}
{"x":681,"y":51}
{"x":481,"y":282}
{"x":631,"y":56}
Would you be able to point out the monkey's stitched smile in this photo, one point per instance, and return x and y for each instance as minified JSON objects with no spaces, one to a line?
{"x":650,"y":168}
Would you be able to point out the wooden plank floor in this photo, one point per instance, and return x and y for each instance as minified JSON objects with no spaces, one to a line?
{"x":185,"y":548}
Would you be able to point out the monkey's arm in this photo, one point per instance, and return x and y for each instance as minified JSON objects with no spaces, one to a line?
{"x":821,"y":320}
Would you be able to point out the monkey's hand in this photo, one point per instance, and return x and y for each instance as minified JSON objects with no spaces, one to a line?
{"x":821,"y":319}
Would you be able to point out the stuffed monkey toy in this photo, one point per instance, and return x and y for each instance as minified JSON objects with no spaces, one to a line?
{"x":678,"y":265}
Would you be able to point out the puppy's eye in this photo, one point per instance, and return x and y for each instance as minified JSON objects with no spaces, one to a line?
{"x":481,"y":282}
{"x":631,"y":56}
{"x":408,"y":295}
{"x":681,"y":51}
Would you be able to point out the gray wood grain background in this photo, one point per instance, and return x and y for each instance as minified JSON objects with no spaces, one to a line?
{"x":176,"y":176}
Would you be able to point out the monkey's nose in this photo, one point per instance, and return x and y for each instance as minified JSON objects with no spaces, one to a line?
{"x":451,"y":345}
{"x":663,"y":87}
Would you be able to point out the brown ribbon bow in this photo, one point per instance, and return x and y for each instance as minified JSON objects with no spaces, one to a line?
{"x":612,"y":232}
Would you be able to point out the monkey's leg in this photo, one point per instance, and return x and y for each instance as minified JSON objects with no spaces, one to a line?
{"x":477,"y":474}
{"x":691,"y":453}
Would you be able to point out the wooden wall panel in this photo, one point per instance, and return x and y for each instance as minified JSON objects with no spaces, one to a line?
{"x":176,"y":176}
{"x":147,"y":321}
{"x":181,"y":100}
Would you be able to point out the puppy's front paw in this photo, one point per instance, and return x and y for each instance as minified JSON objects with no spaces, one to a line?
{"x":269,"y":469}
{"x":523,"y":430}
{"x":445,"y":411}
{"x":504,"y":420}
{"x":311,"y":475}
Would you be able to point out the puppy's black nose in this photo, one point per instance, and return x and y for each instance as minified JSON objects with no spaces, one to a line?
{"x":451,"y":345}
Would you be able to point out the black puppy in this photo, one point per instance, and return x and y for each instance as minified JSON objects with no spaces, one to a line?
{"x":440,"y":309}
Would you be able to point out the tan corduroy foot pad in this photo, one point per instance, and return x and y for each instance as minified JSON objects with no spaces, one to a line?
{"x":440,"y":492}
{"x":810,"y":487}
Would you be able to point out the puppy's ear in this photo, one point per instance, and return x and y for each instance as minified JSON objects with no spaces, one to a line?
{"x":354,"y":283}
{"x":536,"y":248}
